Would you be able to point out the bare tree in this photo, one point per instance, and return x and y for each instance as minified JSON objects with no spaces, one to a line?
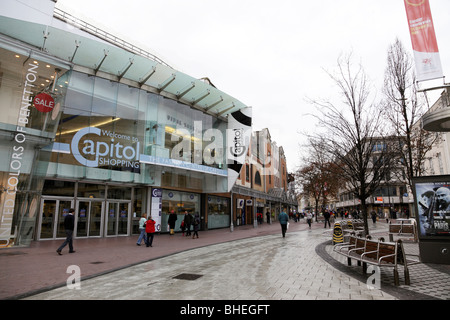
{"x":352,"y":129}
{"x":318,"y":177}
{"x":403,"y":109}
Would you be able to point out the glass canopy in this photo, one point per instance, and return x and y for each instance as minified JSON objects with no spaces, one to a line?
{"x":124,"y":64}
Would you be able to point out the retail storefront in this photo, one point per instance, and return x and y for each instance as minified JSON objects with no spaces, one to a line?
{"x":219,"y":210}
{"x":113,"y":147}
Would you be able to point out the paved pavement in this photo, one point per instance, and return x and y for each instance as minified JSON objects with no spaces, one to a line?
{"x":246,"y":264}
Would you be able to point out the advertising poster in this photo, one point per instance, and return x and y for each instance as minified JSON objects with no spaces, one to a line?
{"x":433,"y":207}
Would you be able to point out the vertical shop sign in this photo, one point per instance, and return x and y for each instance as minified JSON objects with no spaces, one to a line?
{"x":156,"y":208}
{"x":423,"y":38}
{"x":239,"y":132}
{"x":15,"y":162}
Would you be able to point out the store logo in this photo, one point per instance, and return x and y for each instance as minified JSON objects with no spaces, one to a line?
{"x":238,"y":147}
{"x":157,"y":193}
{"x":115,"y":153}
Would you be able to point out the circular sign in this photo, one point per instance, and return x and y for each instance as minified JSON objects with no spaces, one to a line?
{"x":44,"y":102}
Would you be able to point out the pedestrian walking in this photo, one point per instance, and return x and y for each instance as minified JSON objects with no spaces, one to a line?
{"x":69,"y":225}
{"x":150,"y":230}
{"x":196,"y":225}
{"x":182,"y":227}
{"x":188,"y":222}
{"x":142,"y":235}
{"x":284,"y":220}
{"x":374,"y":217}
{"x":327,"y":216}
{"x":309,"y":219}
{"x":172,"y":219}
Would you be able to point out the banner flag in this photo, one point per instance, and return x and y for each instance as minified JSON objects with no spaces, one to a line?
{"x":239,"y":132}
{"x":423,"y":38}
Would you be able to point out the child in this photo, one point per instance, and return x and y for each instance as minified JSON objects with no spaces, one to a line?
{"x":182,"y":227}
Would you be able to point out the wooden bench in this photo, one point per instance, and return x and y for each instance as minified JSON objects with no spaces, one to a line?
{"x":377,"y":252}
{"x":402,"y":228}
{"x":348,"y":228}
{"x":358,"y":224}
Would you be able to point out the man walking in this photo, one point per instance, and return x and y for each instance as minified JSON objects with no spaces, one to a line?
{"x":284,"y":219}
{"x":187,"y":222}
{"x":327,"y":216}
{"x":69,"y":224}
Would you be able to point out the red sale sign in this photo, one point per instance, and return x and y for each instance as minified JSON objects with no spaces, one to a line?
{"x":423,"y":38}
{"x":44,"y":102}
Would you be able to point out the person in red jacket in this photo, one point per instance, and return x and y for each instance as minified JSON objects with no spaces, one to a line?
{"x":150,"y":230}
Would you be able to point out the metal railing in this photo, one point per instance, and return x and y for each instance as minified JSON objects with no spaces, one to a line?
{"x":106,"y":36}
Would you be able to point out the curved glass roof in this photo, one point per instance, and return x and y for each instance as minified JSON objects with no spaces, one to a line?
{"x":106,"y":54}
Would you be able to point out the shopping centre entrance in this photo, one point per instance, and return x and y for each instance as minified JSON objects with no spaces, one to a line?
{"x":93,"y":217}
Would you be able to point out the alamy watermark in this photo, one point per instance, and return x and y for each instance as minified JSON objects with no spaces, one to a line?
{"x":74,"y":280}
{"x":374,"y":280}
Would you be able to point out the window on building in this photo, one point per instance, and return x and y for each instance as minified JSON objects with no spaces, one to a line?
{"x":257,"y":178}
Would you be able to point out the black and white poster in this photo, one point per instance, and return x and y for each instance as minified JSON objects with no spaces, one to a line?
{"x":433,"y":207}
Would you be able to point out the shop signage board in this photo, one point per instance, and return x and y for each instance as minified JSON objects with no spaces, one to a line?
{"x":238,"y":140}
{"x":156,"y":208}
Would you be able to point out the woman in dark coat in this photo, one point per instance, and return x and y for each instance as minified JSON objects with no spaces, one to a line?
{"x":171,"y":221}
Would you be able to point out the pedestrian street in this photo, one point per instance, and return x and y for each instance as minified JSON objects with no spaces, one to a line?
{"x":260,"y":268}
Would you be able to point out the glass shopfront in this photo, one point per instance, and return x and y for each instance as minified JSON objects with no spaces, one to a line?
{"x":218,"y":212}
{"x":100,"y":210}
{"x":96,"y":145}
{"x":112,"y":131}
{"x":31,"y":93}
{"x":179,"y":202}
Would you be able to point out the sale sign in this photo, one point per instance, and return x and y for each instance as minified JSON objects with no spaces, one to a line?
{"x":44,"y":102}
{"x":423,"y":38}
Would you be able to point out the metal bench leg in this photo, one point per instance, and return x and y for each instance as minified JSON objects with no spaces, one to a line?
{"x":396,"y":278}
{"x":364,"y":267}
{"x":349,"y":261}
{"x":407,"y":280}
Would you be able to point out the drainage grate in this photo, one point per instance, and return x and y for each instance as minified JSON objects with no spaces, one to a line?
{"x":188,"y":276}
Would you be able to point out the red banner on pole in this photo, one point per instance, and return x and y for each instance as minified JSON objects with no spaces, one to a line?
{"x":423,"y":38}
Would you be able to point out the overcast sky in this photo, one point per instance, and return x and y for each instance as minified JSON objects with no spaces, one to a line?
{"x":270,"y":55}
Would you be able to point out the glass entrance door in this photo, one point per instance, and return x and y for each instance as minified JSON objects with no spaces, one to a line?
{"x":89,"y":218}
{"x":52,"y":214}
{"x":117,"y":220}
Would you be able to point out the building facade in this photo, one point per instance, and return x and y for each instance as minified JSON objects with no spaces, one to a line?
{"x":437,"y":120}
{"x":393,"y":195}
{"x":261,"y":189}
{"x":91,"y":122}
